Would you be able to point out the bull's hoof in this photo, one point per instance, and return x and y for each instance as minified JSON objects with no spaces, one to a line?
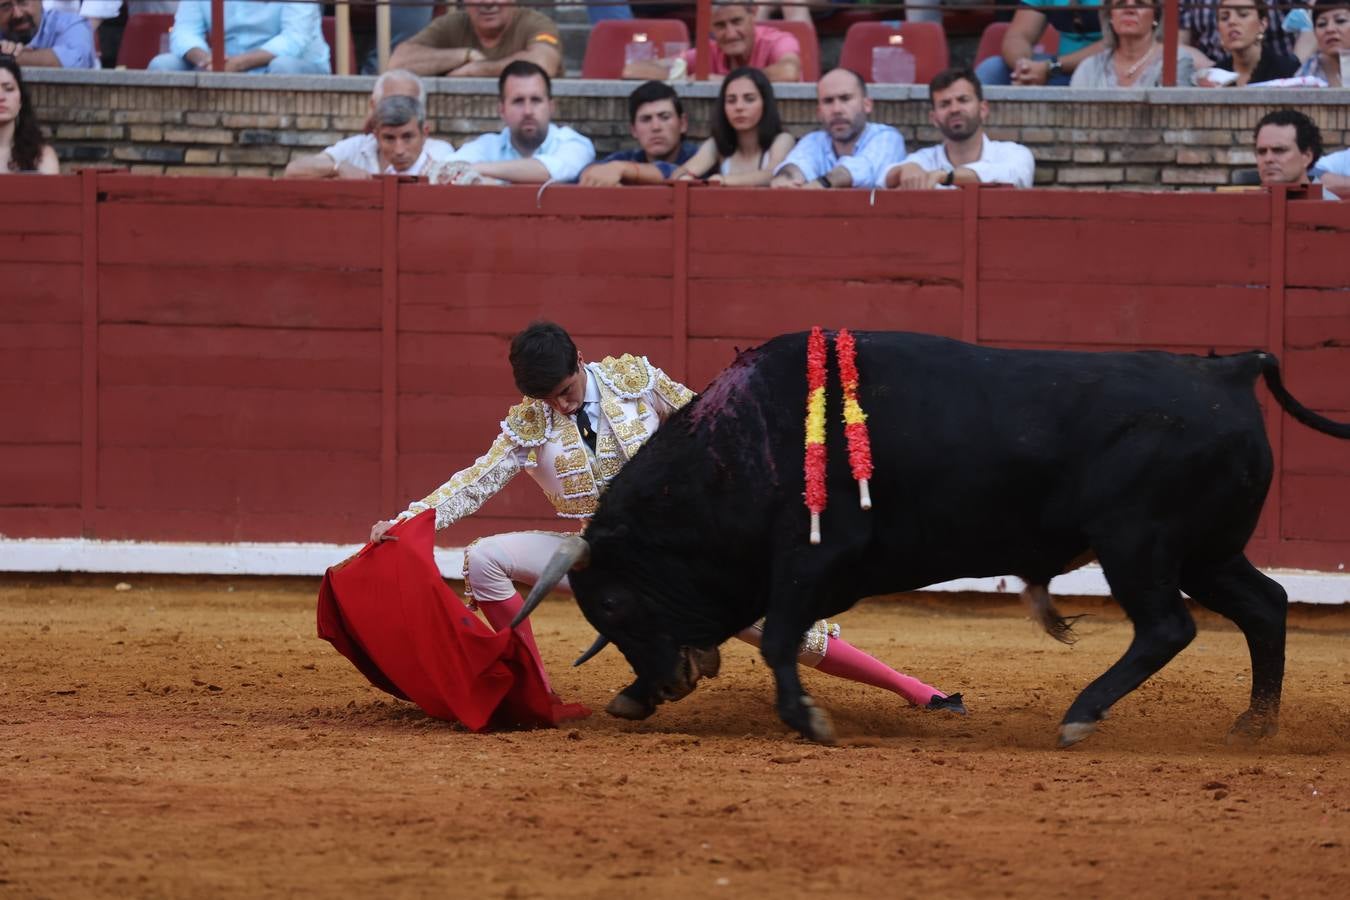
{"x":1251,"y":727}
{"x":818,"y":726}
{"x":951,"y":703}
{"x":625,"y":707}
{"x":1071,"y":733}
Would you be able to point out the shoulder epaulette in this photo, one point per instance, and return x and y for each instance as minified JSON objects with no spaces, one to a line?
{"x":528,"y":423}
{"x":628,"y":376}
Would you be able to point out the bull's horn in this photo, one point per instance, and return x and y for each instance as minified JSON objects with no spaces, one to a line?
{"x":601,"y":642}
{"x":572,"y":553}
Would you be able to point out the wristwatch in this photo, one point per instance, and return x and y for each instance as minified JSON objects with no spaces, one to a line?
{"x":1055,"y":68}
{"x":825,"y":181}
{"x":950,"y":178}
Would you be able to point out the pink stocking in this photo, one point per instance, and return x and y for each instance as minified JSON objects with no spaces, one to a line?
{"x":843,"y":660}
{"x":499,"y":616}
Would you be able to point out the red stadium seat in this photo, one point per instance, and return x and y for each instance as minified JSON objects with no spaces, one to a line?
{"x":604,"y":49}
{"x":925,"y":40}
{"x":991,"y":42}
{"x":330,"y":35}
{"x":805,"y":33}
{"x":140,"y":39}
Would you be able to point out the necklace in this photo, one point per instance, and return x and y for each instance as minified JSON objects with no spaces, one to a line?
{"x":1133,"y":70}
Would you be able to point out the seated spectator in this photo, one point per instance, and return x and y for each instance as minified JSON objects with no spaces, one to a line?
{"x":1331,"y":26}
{"x":748,"y":141}
{"x":530,"y":149}
{"x":52,"y":40}
{"x":1199,"y":28}
{"x":22,"y":148}
{"x":658,"y":123}
{"x":94,"y":12}
{"x":1080,"y":37}
{"x":481,"y":41}
{"x":260,"y":37}
{"x":1134,"y":54}
{"x":1242,"y":30}
{"x":736,"y":42}
{"x":850,"y":151}
{"x":406,"y":18}
{"x":1288,"y":143}
{"x":400,"y":145}
{"x":1333,"y":173}
{"x":966,"y":154}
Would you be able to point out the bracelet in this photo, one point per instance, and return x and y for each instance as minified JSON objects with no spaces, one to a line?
{"x":825,"y":181}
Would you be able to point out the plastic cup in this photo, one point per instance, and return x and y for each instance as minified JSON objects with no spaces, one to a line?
{"x":892,"y":65}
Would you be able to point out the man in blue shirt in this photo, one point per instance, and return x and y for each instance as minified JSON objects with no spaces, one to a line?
{"x":850,"y":152}
{"x":658,"y":123}
{"x":45,"y":39}
{"x":530,"y":149}
{"x":272,"y":38}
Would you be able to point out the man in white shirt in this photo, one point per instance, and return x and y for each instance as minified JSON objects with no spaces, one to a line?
{"x":850,"y":151}
{"x":398,"y":146}
{"x":530,"y":149}
{"x":966,"y":154}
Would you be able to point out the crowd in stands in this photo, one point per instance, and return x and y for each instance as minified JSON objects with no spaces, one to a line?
{"x":1232,"y":42}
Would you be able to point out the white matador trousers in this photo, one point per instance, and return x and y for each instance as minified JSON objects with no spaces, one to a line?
{"x":493,"y":564}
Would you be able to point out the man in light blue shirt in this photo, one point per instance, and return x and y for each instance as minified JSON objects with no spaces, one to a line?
{"x":274,"y":38}
{"x":530,"y":149}
{"x":50,"y":39}
{"x":850,"y":152}
{"x":1333,"y":172}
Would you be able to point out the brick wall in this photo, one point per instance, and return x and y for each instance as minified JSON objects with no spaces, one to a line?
{"x":184,"y":124}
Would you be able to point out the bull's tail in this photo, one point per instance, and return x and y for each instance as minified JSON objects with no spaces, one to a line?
{"x":1270,"y":368}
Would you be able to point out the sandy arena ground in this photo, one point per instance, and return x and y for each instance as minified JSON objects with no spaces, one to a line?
{"x":194,"y":738}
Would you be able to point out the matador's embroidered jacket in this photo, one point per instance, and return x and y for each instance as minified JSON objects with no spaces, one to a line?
{"x":635,"y":398}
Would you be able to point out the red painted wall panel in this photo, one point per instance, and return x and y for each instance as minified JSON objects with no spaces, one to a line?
{"x":36,"y":474}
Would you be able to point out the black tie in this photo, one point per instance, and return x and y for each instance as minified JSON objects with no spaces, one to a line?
{"x":584,"y":426}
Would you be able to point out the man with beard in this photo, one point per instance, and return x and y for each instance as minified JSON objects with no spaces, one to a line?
{"x":55,"y":39}
{"x":530,"y":149}
{"x":966,"y":154}
{"x":481,"y":40}
{"x":850,"y":151}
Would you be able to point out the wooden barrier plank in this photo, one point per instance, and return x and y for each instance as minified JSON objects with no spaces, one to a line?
{"x":1316,"y":252}
{"x":39,"y":413}
{"x":32,"y":353}
{"x":1309,"y":452}
{"x":40,"y":474}
{"x":1106,"y":252}
{"x":119,"y":189}
{"x":453,"y":427}
{"x":655,"y":202}
{"x":504,"y":303}
{"x":239,"y":357}
{"x":233,"y":295}
{"x":150,"y":235}
{"x":39,"y":521}
{"x":861,"y":248}
{"x":40,"y":249}
{"x":46,"y":293}
{"x":347,"y":526}
{"x":709,"y":356}
{"x":230,"y":480}
{"x":741,"y":306}
{"x":1319,"y":377}
{"x":43,"y":218}
{"x":547,"y":248}
{"x":1120,"y":314}
{"x":1117,"y":207}
{"x":50,"y":190}
{"x":1317,"y":317}
{"x":878,"y":209}
{"x":1314,"y":507}
{"x":169,"y":416}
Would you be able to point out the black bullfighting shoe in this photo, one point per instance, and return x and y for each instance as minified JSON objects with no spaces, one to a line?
{"x":951,"y":703}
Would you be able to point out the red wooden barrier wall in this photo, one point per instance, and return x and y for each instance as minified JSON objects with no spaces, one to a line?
{"x":222,"y":360}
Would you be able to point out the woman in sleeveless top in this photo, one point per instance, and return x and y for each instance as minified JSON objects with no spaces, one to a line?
{"x":748,"y":141}
{"x":22,"y":148}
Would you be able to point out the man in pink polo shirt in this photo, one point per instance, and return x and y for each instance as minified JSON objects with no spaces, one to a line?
{"x":737,"y":41}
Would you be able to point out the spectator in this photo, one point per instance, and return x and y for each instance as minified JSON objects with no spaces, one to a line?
{"x":1199,"y":28}
{"x":95,"y":12}
{"x":658,"y":123}
{"x":22,"y":148}
{"x":1242,"y":31}
{"x":52,"y":40}
{"x":406,"y":18}
{"x":1080,"y":37}
{"x":1134,"y":55}
{"x":736,"y":42}
{"x":395,"y":82}
{"x":966,"y":154}
{"x":260,"y":37}
{"x":1288,"y":143}
{"x":530,"y":149}
{"x":1331,"y":26}
{"x":850,"y":151}
{"x":748,"y":141}
{"x":399,"y":146}
{"x":481,"y":41}
{"x":1333,"y":172}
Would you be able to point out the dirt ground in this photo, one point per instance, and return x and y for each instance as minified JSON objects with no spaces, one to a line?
{"x":194,"y":738}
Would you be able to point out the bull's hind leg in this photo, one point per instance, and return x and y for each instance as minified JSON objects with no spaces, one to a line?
{"x":1162,"y":628}
{"x":1257,"y":605}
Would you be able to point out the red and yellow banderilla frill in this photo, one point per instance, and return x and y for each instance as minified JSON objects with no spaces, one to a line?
{"x":816,"y":351}
{"x":855,"y":420}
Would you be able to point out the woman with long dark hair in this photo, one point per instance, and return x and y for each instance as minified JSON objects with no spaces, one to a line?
{"x":22,"y":148}
{"x":748,"y":141}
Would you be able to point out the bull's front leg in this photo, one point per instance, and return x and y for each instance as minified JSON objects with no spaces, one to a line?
{"x":795,"y":707}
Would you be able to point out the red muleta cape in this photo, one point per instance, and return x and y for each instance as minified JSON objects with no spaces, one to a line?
{"x":388,"y":611}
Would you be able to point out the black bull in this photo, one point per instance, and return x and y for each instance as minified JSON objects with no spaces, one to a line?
{"x":988,"y":462}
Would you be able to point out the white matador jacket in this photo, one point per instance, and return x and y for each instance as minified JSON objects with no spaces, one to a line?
{"x":635,"y":398}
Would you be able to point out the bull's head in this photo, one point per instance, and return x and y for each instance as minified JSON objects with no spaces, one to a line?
{"x":666,"y":669}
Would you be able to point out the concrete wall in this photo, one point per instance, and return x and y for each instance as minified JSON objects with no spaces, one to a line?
{"x":252,"y":125}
